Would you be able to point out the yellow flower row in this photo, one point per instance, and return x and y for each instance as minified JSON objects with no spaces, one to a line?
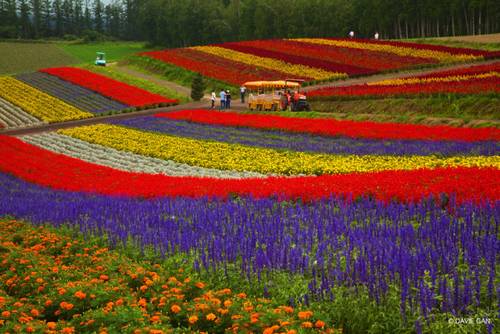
{"x":406,"y":81}
{"x":237,"y":157}
{"x":38,"y":103}
{"x":443,"y":57}
{"x":270,"y":63}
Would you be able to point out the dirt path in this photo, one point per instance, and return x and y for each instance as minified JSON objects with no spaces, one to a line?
{"x":152,"y":78}
{"x":395,"y":75}
{"x":491,"y":38}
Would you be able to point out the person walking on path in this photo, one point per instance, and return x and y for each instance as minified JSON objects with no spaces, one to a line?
{"x":376,"y":36}
{"x":222,"y":96}
{"x":213,"y":98}
{"x":228,"y":99}
{"x":351,"y":34}
{"x":242,"y":93}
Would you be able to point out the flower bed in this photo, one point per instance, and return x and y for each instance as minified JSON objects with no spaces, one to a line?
{"x":481,"y":79}
{"x":57,"y":171}
{"x":331,"y":127}
{"x":312,"y":59}
{"x":303,"y":142}
{"x":51,"y":283}
{"x":113,"y":89}
{"x":242,"y":158}
{"x":72,"y":94}
{"x":38,"y":103}
{"x":12,"y":116}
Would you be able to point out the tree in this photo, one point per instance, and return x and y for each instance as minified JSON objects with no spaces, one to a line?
{"x":197,"y":87}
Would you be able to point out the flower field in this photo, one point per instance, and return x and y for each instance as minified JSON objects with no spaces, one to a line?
{"x":108,"y":87}
{"x":311,"y":59}
{"x":75,"y":95}
{"x":480,"y":79}
{"x":41,"y":294}
{"x":328,"y":220}
{"x":63,"y":94}
{"x":37,"y":103}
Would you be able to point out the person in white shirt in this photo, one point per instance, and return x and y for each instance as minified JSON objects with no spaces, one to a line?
{"x":243,"y":89}
{"x":376,"y":36}
{"x":213,"y":98}
{"x":351,"y":34}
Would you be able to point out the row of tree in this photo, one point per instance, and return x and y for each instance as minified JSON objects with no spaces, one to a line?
{"x":176,"y":23}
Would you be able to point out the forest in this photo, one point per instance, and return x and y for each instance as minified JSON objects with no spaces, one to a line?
{"x":177,"y":23}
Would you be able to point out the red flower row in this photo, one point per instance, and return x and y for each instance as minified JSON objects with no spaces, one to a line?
{"x":105,"y":86}
{"x":360,"y":60}
{"x":216,"y":67}
{"x":270,"y":49}
{"x":441,"y":48}
{"x":61,"y":172}
{"x":332,"y":127}
{"x":471,"y":70}
{"x":472,"y":86}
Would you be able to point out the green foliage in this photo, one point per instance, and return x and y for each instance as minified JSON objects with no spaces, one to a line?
{"x":177,"y":74}
{"x":197,"y":87}
{"x":86,"y":52}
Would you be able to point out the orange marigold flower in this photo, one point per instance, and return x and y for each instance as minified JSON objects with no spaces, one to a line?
{"x":119,"y":302}
{"x":34,"y":312}
{"x":51,"y":325}
{"x":155,"y":318}
{"x":227,"y":303}
{"x":211,"y":316}
{"x":288,"y":309}
{"x":80,"y":295}
{"x":30,"y":329}
{"x":305,"y":315}
{"x":142,"y":302}
{"x":319,"y":324}
{"x":39,"y":280}
{"x":270,"y":330}
{"x":236,"y":316}
{"x":68,"y":330}
{"x":200,"y":285}
{"x":307,"y":324}
{"x":143,"y":288}
{"x":175,"y":308}
{"x":5,"y":314}
{"x":18,"y":304}
{"x":193,"y":319}
{"x":223,"y":311}
{"x":104,"y":277}
{"x":48,"y":303}
{"x":66,"y":306}
{"x":242,"y":295}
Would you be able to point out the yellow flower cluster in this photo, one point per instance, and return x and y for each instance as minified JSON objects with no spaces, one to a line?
{"x":270,"y":63}
{"x":38,"y":103}
{"x":442,"y":57}
{"x":407,"y":81}
{"x":237,"y":157}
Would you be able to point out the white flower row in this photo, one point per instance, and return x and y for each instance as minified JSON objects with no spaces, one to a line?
{"x":126,"y":161}
{"x":12,"y":116}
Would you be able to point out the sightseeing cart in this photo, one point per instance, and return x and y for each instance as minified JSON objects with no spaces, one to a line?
{"x":275,"y":95}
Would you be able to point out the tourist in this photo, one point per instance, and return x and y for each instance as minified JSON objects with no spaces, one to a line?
{"x":222,"y":96}
{"x":376,"y":36}
{"x":351,"y":34}
{"x":242,"y":93}
{"x":213,"y":98}
{"x":228,"y":99}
